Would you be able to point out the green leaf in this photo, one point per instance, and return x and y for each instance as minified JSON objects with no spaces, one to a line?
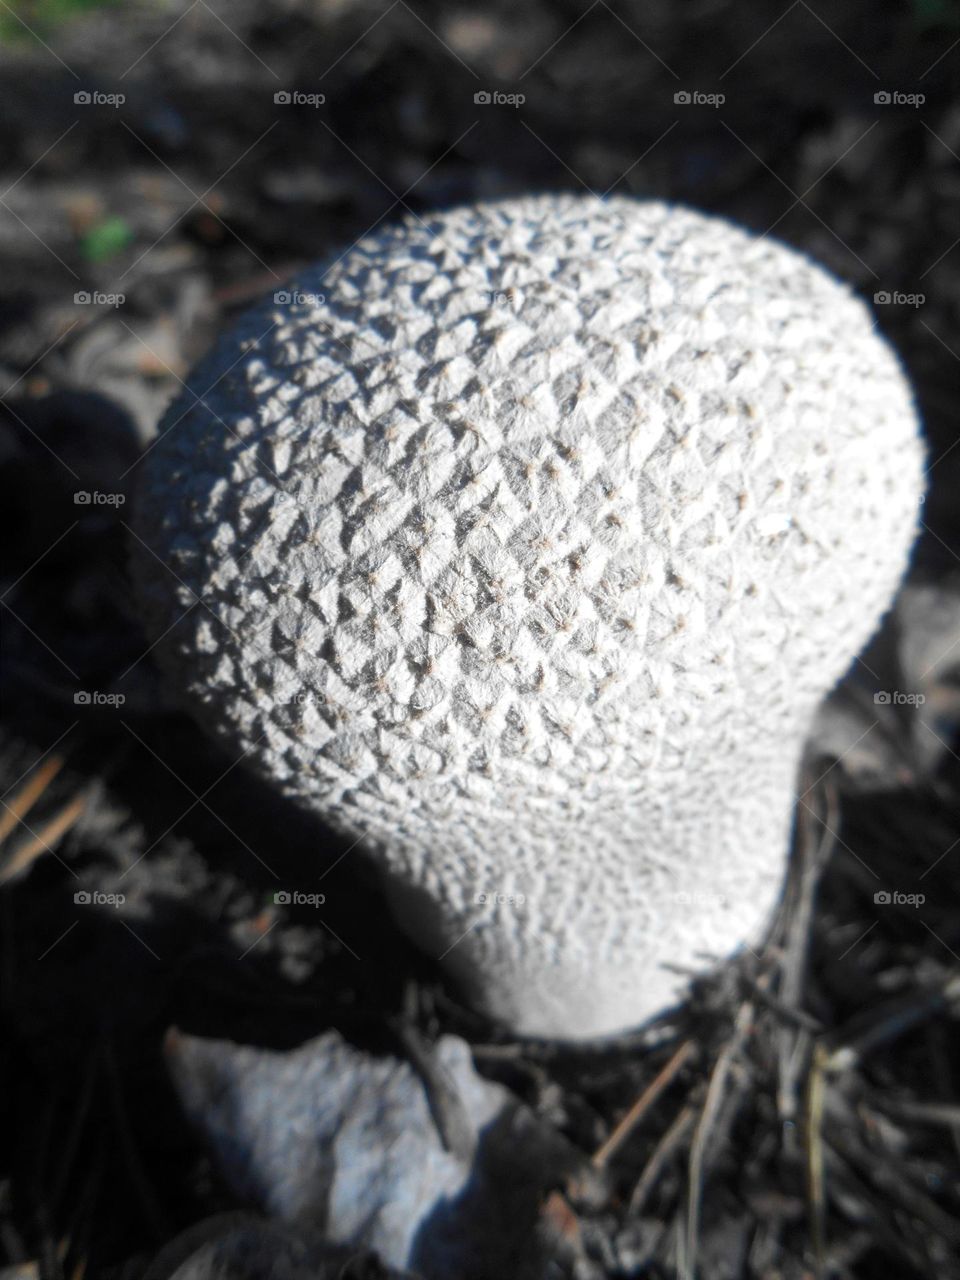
{"x":22,"y":20}
{"x":106,"y":239}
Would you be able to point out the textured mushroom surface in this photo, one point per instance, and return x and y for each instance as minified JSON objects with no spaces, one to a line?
{"x":527,"y":538}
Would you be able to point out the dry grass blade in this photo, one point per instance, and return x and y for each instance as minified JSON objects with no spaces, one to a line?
{"x":884,"y":1224}
{"x":75,"y":1246}
{"x":446,"y":1106}
{"x":72,"y":1139}
{"x":664,"y":1149}
{"x":44,"y":839}
{"x":888,"y":1022}
{"x":815,"y":1162}
{"x":901,"y":1185}
{"x":703,"y":1133}
{"x":841,"y":1051}
{"x":642,"y":1105}
{"x":150,"y":1205}
{"x":926,"y":1112}
{"x":28,"y":795}
{"x":793,"y":1048}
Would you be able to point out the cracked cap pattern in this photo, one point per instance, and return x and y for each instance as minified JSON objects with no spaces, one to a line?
{"x":522,"y":541}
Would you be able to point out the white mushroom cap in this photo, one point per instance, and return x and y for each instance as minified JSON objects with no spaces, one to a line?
{"x":526,"y":556}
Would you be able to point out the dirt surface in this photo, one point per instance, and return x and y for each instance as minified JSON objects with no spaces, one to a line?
{"x":809,"y":1119}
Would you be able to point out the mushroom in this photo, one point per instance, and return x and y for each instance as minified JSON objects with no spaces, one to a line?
{"x":521,"y":543}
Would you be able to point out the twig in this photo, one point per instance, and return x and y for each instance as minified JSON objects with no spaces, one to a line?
{"x":799,"y":1019}
{"x":642,"y":1105}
